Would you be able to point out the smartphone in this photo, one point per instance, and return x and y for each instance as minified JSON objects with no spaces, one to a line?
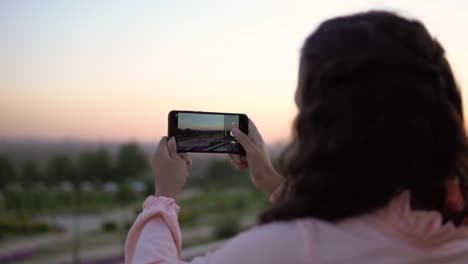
{"x":206,"y":132}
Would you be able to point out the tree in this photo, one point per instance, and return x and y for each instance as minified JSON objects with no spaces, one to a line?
{"x":131,"y":161}
{"x":14,"y":197}
{"x":95,"y":166}
{"x":220,"y":172}
{"x":34,"y":195}
{"x":7,"y":172}
{"x":125,"y":194}
{"x":59,"y":169}
{"x":103,"y":165}
{"x":30,"y":174}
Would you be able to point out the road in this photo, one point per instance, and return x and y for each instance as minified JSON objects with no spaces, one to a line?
{"x":222,"y":143}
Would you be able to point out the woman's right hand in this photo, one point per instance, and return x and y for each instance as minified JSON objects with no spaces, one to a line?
{"x":257,"y":160}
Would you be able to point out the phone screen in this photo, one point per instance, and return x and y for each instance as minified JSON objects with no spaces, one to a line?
{"x":207,"y":132}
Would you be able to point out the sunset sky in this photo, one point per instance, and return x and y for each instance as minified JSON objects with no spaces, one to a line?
{"x":112,"y":70}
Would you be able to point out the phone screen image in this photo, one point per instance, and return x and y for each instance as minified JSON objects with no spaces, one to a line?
{"x":202,"y":132}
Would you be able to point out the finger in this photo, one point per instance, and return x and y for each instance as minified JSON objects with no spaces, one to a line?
{"x":236,"y":165}
{"x":243,"y":159}
{"x":239,"y":164}
{"x":236,"y":162}
{"x":186,"y":157}
{"x":172,"y":148}
{"x":244,"y":140}
{"x":236,"y":157}
{"x":162,"y":148}
{"x":244,"y":166}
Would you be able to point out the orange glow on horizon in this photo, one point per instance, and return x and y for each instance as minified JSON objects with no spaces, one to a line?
{"x":116,"y":74}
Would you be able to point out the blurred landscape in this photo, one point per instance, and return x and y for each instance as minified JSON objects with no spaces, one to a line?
{"x":86,"y":88}
{"x":74,"y":201}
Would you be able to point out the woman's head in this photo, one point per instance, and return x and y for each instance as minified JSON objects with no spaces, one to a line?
{"x":379,"y":113}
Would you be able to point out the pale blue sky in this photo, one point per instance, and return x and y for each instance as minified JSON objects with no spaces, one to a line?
{"x":200,"y":121}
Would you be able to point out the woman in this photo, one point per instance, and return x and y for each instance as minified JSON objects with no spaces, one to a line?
{"x":376,"y":170}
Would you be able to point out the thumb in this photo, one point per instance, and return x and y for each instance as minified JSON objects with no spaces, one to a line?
{"x":254,"y":134}
{"x":243,"y":139}
{"x":172,"y":148}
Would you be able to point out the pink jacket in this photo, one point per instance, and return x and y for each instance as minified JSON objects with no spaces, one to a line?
{"x":394,"y":234}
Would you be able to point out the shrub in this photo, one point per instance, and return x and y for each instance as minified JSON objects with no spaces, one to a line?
{"x":226,"y":229}
{"x":186,"y":217}
{"x":109,"y":226}
{"x":22,"y":226}
{"x":240,"y":203}
{"x":128,"y":225}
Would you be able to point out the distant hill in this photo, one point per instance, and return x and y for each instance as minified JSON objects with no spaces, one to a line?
{"x":37,"y":149}
{"x":20,"y":150}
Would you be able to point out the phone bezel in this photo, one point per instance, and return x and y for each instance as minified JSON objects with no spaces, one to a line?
{"x":172,"y":127}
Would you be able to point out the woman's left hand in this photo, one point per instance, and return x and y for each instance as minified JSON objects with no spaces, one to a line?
{"x":169,"y":168}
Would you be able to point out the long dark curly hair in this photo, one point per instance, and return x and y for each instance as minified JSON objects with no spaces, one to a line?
{"x":379,"y":113}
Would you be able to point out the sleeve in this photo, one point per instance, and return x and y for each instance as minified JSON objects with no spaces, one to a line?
{"x":276,"y":243}
{"x":155,"y":238}
{"x":155,"y":235}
